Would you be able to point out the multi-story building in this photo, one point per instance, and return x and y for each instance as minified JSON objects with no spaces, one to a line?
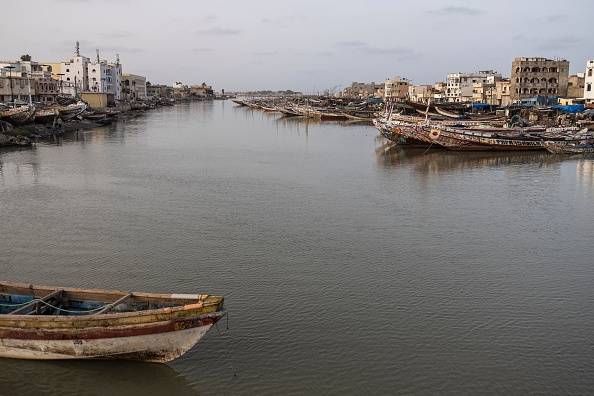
{"x":363,"y":90}
{"x":158,"y":90}
{"x":133,"y":87}
{"x":531,"y":77}
{"x":420,"y":93}
{"x":74,"y":74}
{"x":461,"y":87}
{"x":502,"y":92}
{"x":396,"y":88}
{"x":589,"y":82}
{"x":575,"y":86}
{"x":105,"y":77}
{"x":201,"y":91}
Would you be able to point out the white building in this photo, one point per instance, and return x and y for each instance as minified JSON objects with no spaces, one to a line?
{"x":74,"y":75}
{"x":105,"y":77}
{"x":460,"y":87}
{"x":589,"y":82}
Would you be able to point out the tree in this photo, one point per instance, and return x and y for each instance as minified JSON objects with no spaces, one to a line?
{"x":26,"y":58}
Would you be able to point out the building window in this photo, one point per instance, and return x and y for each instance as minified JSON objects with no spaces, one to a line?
{"x":589,"y":72}
{"x":589,"y":87}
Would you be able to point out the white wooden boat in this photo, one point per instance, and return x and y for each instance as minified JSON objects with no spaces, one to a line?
{"x":41,"y":322}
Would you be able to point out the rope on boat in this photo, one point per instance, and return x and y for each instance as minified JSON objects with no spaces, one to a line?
{"x":225,"y":349}
{"x":11,"y":305}
{"x":428,"y":148}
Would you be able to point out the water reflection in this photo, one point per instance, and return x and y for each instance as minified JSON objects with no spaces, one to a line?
{"x":435,"y":160}
{"x":22,"y":377}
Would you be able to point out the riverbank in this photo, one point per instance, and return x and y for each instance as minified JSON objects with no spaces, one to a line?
{"x":25,"y":135}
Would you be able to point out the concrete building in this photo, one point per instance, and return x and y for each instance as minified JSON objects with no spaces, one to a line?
{"x":105,"y":77}
{"x":396,"y":88}
{"x":158,"y":91}
{"x":502,"y":92}
{"x":16,"y":84}
{"x":420,"y":93}
{"x":575,"y":86}
{"x":29,"y":79}
{"x":532,"y":77}
{"x":74,"y":74}
{"x":363,"y":90}
{"x":133,"y":87}
{"x":589,"y":82}
{"x":201,"y":91}
{"x":461,"y":87}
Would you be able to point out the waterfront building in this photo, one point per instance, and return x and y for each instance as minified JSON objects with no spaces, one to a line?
{"x":364,"y":90}
{"x":133,"y":87}
{"x":461,"y":87}
{"x":533,"y":77}
{"x":502,"y":92}
{"x":589,"y":82}
{"x":158,"y":91}
{"x":420,"y":93}
{"x":105,"y":77}
{"x":74,"y":74}
{"x":396,"y":88}
{"x":201,"y":91}
{"x":31,"y":81}
{"x":575,"y":86}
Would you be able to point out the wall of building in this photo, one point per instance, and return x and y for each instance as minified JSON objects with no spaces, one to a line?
{"x":539,"y":77}
{"x":589,"y":82}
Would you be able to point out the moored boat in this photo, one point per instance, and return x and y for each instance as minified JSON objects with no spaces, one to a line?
{"x":569,"y":147}
{"x":46,"y":116}
{"x":41,"y":322}
{"x":480,"y":138}
{"x":19,"y":115}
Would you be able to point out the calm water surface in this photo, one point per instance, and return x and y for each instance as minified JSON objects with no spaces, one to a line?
{"x":348,"y":267}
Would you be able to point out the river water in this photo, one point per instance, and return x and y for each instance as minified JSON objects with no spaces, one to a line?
{"x":348,"y":266}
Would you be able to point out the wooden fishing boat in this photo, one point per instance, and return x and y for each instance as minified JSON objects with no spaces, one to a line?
{"x":41,"y":322}
{"x":19,"y":115}
{"x":569,"y":148}
{"x":289,"y":111}
{"x":72,"y":110}
{"x":479,"y":138}
{"x":46,"y":116}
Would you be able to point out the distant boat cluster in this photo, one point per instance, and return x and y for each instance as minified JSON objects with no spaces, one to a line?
{"x":324,"y":109}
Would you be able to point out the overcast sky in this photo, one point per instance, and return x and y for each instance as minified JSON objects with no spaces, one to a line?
{"x":304,"y":45}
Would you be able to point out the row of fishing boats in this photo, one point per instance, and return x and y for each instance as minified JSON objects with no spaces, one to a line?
{"x":318,"y":109}
{"x":67,"y":110}
{"x":482,"y":134}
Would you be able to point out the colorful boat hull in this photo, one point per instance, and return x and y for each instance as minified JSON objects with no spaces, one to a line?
{"x":168,"y":328}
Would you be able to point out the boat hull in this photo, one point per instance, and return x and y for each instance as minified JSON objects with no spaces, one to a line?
{"x":42,"y":322}
{"x":154,"y":343}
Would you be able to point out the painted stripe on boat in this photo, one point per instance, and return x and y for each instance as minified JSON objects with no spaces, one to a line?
{"x":186,"y":296}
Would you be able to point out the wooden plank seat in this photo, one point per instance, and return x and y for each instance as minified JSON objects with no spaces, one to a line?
{"x":36,"y":304}
{"x":108,"y":307}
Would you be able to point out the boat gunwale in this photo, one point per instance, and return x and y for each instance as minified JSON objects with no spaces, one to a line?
{"x":176,"y":308}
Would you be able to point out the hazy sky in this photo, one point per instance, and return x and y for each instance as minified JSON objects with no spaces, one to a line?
{"x":240,"y":45}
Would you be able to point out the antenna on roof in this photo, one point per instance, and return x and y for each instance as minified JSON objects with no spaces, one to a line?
{"x":98,"y":60}
{"x":77,"y":49}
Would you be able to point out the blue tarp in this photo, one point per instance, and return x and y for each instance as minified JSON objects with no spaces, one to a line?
{"x":571,"y":108}
{"x":482,"y":106}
